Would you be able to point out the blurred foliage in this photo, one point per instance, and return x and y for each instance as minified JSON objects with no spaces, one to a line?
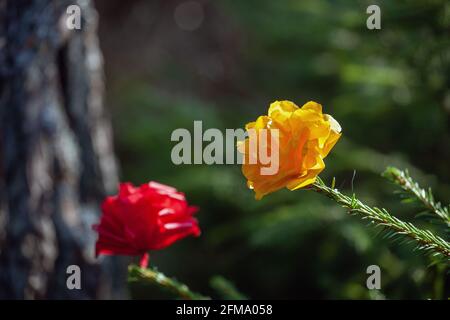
{"x":388,"y":88}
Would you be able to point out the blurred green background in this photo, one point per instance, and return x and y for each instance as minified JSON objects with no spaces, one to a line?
{"x":169,"y":63}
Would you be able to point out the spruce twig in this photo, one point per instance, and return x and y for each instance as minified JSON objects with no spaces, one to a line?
{"x":153,"y":276}
{"x":226,"y":289}
{"x":412,"y":188}
{"x":426,"y":240}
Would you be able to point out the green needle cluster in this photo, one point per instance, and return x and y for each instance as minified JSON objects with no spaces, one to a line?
{"x":425,"y":239}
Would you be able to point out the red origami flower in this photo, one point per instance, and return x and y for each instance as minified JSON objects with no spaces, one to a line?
{"x":150,"y":217}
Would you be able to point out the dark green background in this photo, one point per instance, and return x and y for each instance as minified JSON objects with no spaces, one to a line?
{"x":388,"y":88}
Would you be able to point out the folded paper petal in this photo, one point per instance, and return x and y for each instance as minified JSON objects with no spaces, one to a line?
{"x":306,"y":136}
{"x":138,"y":219}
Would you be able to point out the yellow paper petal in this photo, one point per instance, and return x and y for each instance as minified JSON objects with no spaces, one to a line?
{"x":306,"y":136}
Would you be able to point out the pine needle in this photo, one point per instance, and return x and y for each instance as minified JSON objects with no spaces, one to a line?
{"x":414,"y":193}
{"x":426,"y":240}
{"x":153,"y":276}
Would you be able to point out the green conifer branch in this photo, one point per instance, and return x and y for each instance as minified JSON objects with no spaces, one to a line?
{"x":412,"y":188}
{"x":226,"y":289}
{"x":425,"y":239}
{"x":153,"y":276}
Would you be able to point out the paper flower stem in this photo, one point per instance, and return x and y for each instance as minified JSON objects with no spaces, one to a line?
{"x":143,"y":262}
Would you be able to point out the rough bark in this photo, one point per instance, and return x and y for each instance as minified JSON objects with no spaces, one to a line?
{"x":56,"y":156}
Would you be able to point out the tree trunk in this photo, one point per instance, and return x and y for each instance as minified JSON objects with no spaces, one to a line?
{"x":56,"y":156}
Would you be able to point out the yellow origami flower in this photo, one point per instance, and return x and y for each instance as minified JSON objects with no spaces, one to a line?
{"x":303,"y":138}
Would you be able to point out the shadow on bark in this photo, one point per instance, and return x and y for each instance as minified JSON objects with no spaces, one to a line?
{"x":56,"y":155}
